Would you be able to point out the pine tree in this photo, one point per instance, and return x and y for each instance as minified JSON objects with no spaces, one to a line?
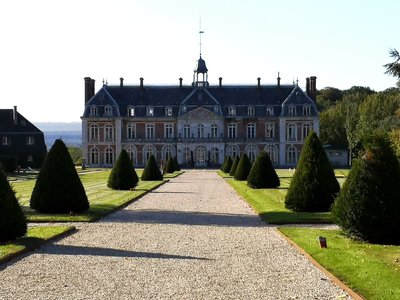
{"x":12,"y":219}
{"x":58,"y":188}
{"x":314,"y":185}
{"x":243,"y":168}
{"x":151,"y":171}
{"x":169,"y":166}
{"x":123,"y":175}
{"x":227,"y":165}
{"x":234,"y":166}
{"x":368,"y":206}
{"x":262,"y":174}
{"x":176,"y":165}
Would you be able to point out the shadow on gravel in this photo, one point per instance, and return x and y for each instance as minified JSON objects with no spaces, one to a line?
{"x":173,"y":192}
{"x":108,"y":252}
{"x":185,"y":218}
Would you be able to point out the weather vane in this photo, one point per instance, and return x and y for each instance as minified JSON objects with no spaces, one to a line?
{"x":200,"y":33}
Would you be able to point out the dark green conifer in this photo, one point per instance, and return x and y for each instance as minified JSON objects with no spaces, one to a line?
{"x":58,"y":188}
{"x":368,"y":206}
{"x":123,"y":175}
{"x":223,"y":164}
{"x":176,"y":165}
{"x":227,"y":165}
{"x":234,"y":166}
{"x":151,"y":171}
{"x":169,"y":166}
{"x":243,"y":168}
{"x":314,"y":185}
{"x":12,"y":219}
{"x":262,"y":174}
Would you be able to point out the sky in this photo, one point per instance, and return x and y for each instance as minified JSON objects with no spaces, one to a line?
{"x":47,"y":47}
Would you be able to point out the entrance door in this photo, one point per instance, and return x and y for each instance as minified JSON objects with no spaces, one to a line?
{"x":200,"y":157}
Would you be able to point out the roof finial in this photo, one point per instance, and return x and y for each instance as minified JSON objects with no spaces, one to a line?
{"x":200,"y":33}
{"x":297,"y":81}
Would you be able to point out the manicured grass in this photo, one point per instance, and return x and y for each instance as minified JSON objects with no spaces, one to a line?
{"x":35,"y":237}
{"x":371,"y":270}
{"x":103,"y":200}
{"x":270,"y":203}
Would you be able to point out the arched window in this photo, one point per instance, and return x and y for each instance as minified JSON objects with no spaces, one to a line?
{"x":272,"y":152}
{"x":94,"y":156}
{"x":214,"y":131}
{"x":108,"y":132}
{"x":94,"y":132}
{"x":306,"y":130}
{"x":131,"y":131}
{"x":291,"y":132}
{"x":109,"y":156}
{"x":131,"y":150}
{"x":187,"y":156}
{"x":200,"y":131}
{"x":291,"y":155}
{"x":167,"y":152}
{"x":200,"y":155}
{"x":214,"y":155}
{"x":147,"y":152}
{"x":232,"y":151}
{"x":251,"y":153}
{"x":251,"y":130}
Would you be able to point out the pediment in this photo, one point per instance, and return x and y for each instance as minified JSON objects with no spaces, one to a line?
{"x":201,"y":113}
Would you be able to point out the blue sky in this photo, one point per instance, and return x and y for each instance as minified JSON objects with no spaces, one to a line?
{"x":48,"y":47}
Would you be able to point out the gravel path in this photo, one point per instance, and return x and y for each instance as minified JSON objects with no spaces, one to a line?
{"x":192,"y":238}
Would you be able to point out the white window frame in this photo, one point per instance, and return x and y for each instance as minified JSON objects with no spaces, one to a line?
{"x":292,"y":110}
{"x":131,"y":131}
{"x":272,"y":152}
{"x":186,"y":131}
{"x":214,"y":131}
{"x":200,"y":131}
{"x":270,"y":111}
{"x":93,"y":111}
{"x":306,"y":110}
{"x":109,"y":156}
{"x":305,"y":130}
{"x":251,"y":131}
{"x":150,"y":131}
{"x":231,"y":111}
{"x":291,"y":132}
{"x":251,"y":111}
{"x":150,"y":111}
{"x":252,"y":152}
{"x":94,"y":132}
{"x":94,"y":156}
{"x":232,"y":130}
{"x":291,"y":155}
{"x":168,"y":131}
{"x":269,"y":130}
{"x":108,"y":133}
{"x":168,"y":111}
{"x":131,"y":111}
{"x":108,"y":110}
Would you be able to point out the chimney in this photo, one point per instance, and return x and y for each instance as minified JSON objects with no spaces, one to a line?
{"x":308,"y":86}
{"x":121,"y":82}
{"x":313,"y":88}
{"x":180,"y":82}
{"x":279,"y":80}
{"x":15,"y":115}
{"x":89,"y":88}
{"x":220,"y":82}
{"x":258,"y":82}
{"x":141,"y":82}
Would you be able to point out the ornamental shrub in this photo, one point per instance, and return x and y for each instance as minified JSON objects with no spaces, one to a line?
{"x":368,"y":206}
{"x":169,"y":166}
{"x":262,"y":174}
{"x":227,"y":165}
{"x":314,"y":185}
{"x":151,"y":171}
{"x":176,"y":165}
{"x":234,"y":166}
{"x":243,"y":168}
{"x":58,"y":188}
{"x":12,"y":219}
{"x":123,"y":175}
{"x":223,"y":164}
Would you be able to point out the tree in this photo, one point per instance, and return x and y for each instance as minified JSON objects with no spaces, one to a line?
{"x":243,"y":168}
{"x":368,"y":206}
{"x":223,"y":164}
{"x":123,"y":175}
{"x":58,"y":188}
{"x":151,"y":171}
{"x":170,"y":165}
{"x":176,"y":165}
{"x":12,"y":219}
{"x":234,"y":166}
{"x":262,"y":174}
{"x":227,"y":165}
{"x":393,"y":68}
{"x":314,"y":185}
{"x":76,"y":154}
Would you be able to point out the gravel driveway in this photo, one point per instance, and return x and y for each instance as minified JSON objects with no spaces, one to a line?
{"x":192,"y":238}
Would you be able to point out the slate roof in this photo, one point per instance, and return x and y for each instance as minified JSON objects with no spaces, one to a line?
{"x":23,"y":125}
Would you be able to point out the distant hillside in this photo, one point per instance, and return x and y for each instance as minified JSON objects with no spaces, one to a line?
{"x":70,"y":133}
{"x":59,"y":126}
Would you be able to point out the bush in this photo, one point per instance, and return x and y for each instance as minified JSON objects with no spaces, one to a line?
{"x":169,"y":166}
{"x":151,"y":171}
{"x":8,"y":163}
{"x":368,"y":206}
{"x":223,"y":164}
{"x":227,"y":165}
{"x":314,"y":185}
{"x":262,"y":174}
{"x":176,"y":165}
{"x":234,"y":166}
{"x":123,"y":175}
{"x":243,"y":168}
{"x":58,"y":188}
{"x":12,"y":219}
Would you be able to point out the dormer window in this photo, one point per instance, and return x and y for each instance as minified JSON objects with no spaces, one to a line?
{"x":93,"y":111}
{"x":306,"y":110}
{"x":250,"y":111}
{"x":168,"y":111}
{"x":231,"y":111}
{"x":184,"y":108}
{"x":108,"y":110}
{"x":131,"y":111}
{"x":30,"y":140}
{"x":6,"y":140}
{"x":150,"y":111}
{"x":270,"y":111}
{"x":292,"y":110}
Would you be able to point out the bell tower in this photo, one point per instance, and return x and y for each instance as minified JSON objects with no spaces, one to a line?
{"x":200,"y":75}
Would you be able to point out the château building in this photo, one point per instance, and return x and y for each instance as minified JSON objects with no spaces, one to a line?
{"x":198,"y":123}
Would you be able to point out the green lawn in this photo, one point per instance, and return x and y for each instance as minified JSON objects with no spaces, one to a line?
{"x":371,"y":270}
{"x":103,"y":200}
{"x":270,"y":203}
{"x":35,"y":237}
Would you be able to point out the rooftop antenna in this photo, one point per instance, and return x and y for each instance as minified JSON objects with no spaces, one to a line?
{"x":200,"y":33}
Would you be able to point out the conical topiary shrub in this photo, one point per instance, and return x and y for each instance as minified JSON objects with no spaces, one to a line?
{"x":169,"y":166}
{"x":123,"y":175}
{"x":176,"y":165}
{"x":58,"y":188}
{"x":227,"y":165}
{"x":314,"y":185}
{"x":368,"y":206}
{"x":262,"y":174}
{"x":12,"y":219}
{"x":234,"y":166}
{"x":151,"y":171}
{"x":223,"y":164}
{"x":243,"y":168}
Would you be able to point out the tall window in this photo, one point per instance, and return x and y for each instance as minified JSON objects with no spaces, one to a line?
{"x":186,"y":131}
{"x":231,"y":111}
{"x":168,"y":111}
{"x":214,"y":131}
{"x":270,"y":111}
{"x":252,"y":153}
{"x":251,"y":130}
{"x":291,"y":155}
{"x":214,"y":155}
{"x":150,"y":131}
{"x":108,"y":110}
{"x":131,"y":150}
{"x":200,"y":131}
{"x":93,"y":111}
{"x":150,"y":111}
{"x":94,"y":156}
{"x":108,"y":132}
{"x":272,"y":152}
{"x":148,"y":151}
{"x":291,"y":132}
{"x":232,"y":131}
{"x":306,"y":110}
{"x":306,"y":130}
{"x":131,"y":131}
{"x":168,"y":131}
{"x":292,"y":110}
{"x":250,"y":111}
{"x":232,"y":151}
{"x":269,"y":130}
{"x":109,"y":156}
{"x":168,"y":152}
{"x":94,"y":132}
{"x":5,"y":140}
{"x":30,"y":140}
{"x":131,"y":111}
